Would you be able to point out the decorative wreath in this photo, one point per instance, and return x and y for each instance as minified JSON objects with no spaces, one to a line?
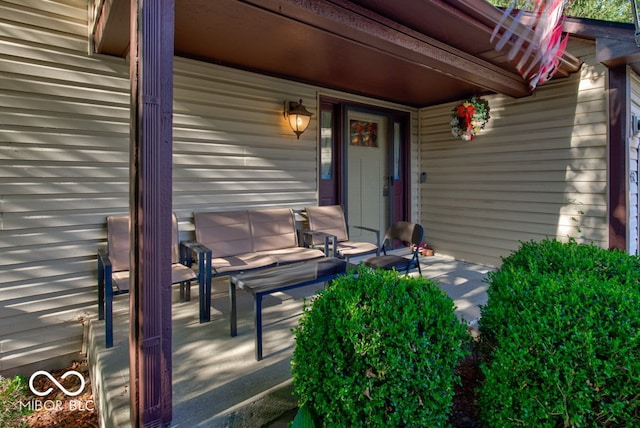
{"x":469,"y":118}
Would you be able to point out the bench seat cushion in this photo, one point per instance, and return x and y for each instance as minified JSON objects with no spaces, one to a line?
{"x":388,"y":262}
{"x":241,"y":262}
{"x":351,"y":248}
{"x":179,"y":273}
{"x":295,"y":254}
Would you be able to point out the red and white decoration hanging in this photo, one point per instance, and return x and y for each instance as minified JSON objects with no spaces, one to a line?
{"x":540,"y":47}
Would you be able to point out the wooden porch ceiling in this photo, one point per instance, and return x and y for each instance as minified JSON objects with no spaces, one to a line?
{"x":413,"y":52}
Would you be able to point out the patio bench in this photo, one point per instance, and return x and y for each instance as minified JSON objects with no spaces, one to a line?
{"x":238,"y":241}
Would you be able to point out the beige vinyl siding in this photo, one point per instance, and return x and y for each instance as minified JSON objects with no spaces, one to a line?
{"x":63,"y":128}
{"x":233,"y":148}
{"x":537,"y":170}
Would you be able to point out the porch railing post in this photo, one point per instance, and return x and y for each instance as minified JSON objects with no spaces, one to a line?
{"x":151,"y":58}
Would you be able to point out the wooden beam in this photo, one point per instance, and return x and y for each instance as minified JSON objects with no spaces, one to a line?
{"x":619,"y":111}
{"x":616,"y":52}
{"x":110,"y":30}
{"x":152,"y":34}
{"x":361,"y":25}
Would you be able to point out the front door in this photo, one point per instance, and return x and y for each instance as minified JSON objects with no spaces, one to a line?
{"x":367,"y":162}
{"x":363,"y":165}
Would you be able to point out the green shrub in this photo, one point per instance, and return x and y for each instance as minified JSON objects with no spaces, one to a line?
{"x":379,"y":349}
{"x":562,"y":333}
{"x":13,"y":392}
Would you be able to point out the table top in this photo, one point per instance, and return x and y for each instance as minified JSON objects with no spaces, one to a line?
{"x":288,"y":276}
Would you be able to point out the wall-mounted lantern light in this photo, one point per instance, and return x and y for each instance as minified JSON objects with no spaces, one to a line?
{"x":299,"y":117}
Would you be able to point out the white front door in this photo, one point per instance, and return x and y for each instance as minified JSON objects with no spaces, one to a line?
{"x":367,"y":171}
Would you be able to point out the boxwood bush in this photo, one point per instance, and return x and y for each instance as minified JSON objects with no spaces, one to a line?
{"x":562,"y":332}
{"x":378,"y":349}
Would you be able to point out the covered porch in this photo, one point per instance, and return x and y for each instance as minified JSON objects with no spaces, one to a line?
{"x":216,"y":379}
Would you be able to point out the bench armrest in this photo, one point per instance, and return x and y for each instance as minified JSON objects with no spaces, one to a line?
{"x":327,"y":237}
{"x":205,"y":274}
{"x":188,"y":249}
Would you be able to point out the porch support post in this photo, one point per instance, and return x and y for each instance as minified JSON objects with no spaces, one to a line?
{"x":151,"y":59}
{"x":619,"y":110}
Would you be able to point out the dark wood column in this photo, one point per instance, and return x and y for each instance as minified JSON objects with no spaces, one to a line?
{"x":618,"y":156}
{"x":151,"y":57}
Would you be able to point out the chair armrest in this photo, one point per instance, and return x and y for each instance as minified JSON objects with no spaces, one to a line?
{"x":103,"y":258}
{"x":187,"y":249}
{"x":205,"y":273}
{"x":327,"y":237}
{"x":370,"y":229}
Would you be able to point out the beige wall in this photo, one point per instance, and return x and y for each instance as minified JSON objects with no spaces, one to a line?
{"x":63,"y":126}
{"x":539,"y":169}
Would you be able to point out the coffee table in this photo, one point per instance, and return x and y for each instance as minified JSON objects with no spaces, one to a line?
{"x":263,"y":282}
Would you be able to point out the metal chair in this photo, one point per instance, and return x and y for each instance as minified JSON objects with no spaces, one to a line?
{"x":113,"y":269}
{"x":329,"y":221}
{"x":411,"y":233}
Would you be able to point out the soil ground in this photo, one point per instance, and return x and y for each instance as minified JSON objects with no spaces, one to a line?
{"x":58,"y":410}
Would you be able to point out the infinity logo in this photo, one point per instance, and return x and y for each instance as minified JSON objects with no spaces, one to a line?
{"x":52,"y":379}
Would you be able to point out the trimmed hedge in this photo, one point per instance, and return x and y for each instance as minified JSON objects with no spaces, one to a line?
{"x":561,"y":331}
{"x":379,"y":349}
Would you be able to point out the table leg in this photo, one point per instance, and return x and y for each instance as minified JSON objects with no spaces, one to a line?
{"x":257,"y":317}
{"x":234,"y":314}
{"x":204,"y":271}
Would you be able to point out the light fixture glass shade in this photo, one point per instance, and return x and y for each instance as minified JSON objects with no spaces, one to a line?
{"x":299,"y":117}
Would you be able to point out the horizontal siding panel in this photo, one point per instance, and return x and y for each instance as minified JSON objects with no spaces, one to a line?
{"x":32,"y":340}
{"x":65,"y":90}
{"x":90,"y":234}
{"x":58,"y":257}
{"x":45,"y":355}
{"x":62,"y":185}
{"x":33,"y":173}
{"x":536,"y":213}
{"x":514,"y":197}
{"x":479,"y":186}
{"x":97,"y":110}
{"x":57,"y":18}
{"x":60,"y":218}
{"x":59,"y":73}
{"x":79,"y":300}
{"x":61,"y":121}
{"x":57,"y":155}
{"x":224,"y":174}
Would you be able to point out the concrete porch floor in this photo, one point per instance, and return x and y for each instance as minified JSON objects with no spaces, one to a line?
{"x":216,"y":380}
